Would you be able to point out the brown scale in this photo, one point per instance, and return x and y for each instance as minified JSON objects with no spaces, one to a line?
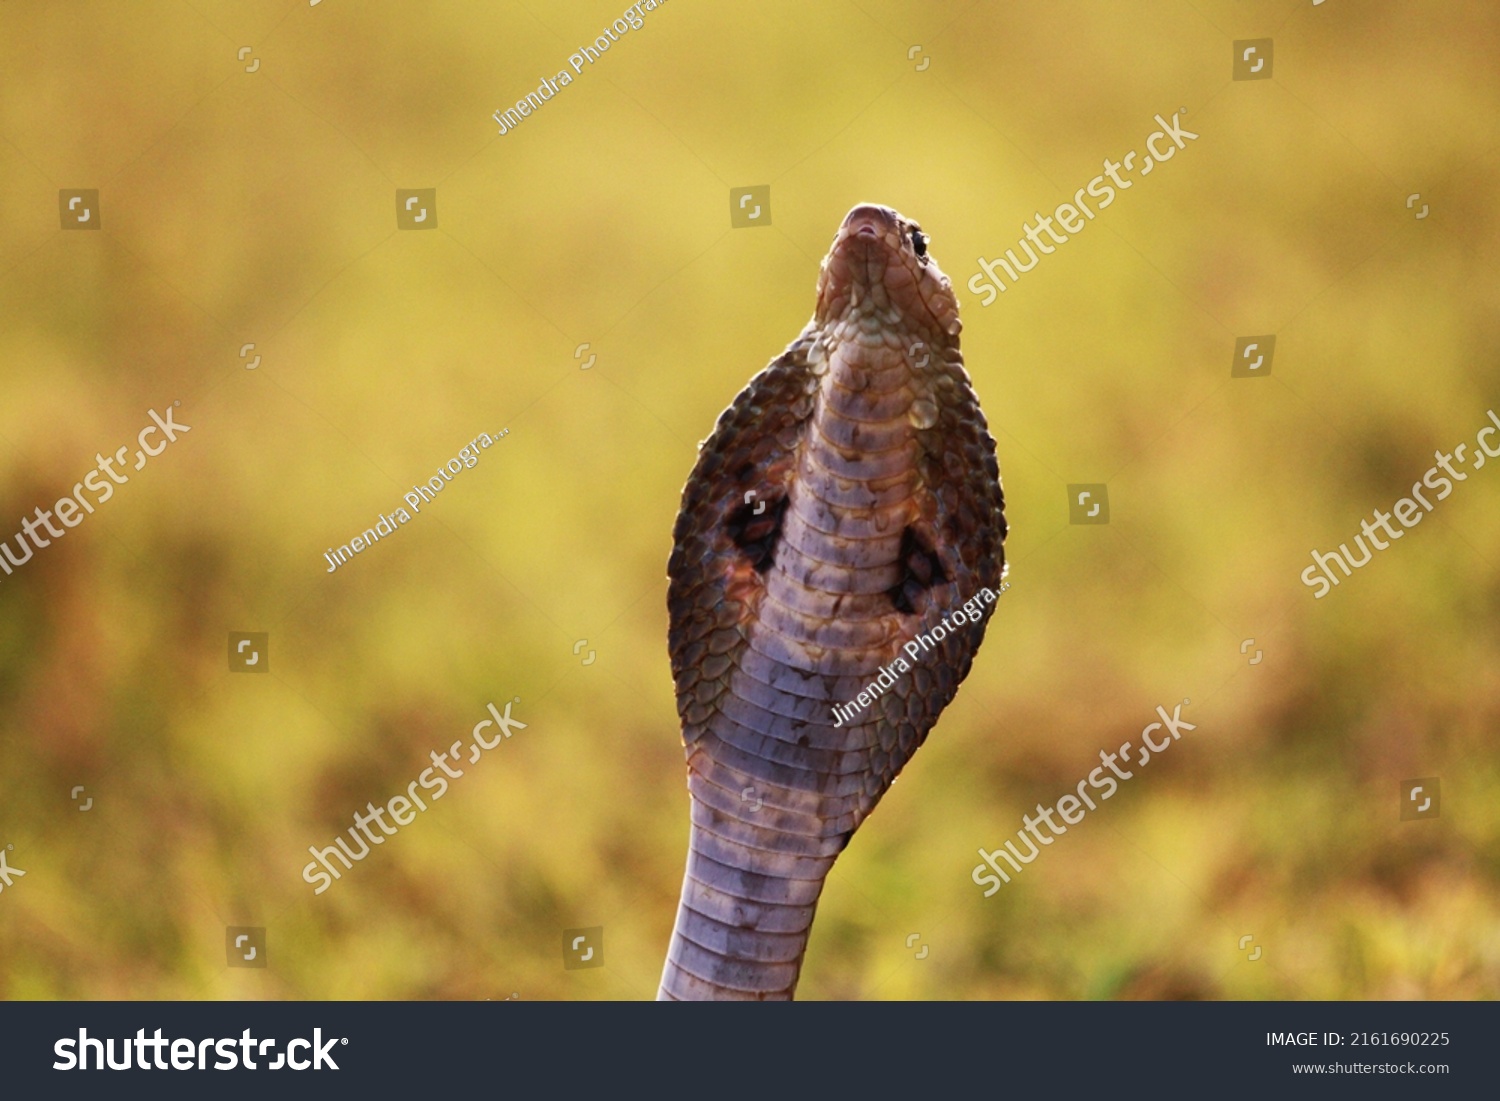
{"x":874,"y":508}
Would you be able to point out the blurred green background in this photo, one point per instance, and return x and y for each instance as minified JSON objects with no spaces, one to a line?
{"x":258,"y":207}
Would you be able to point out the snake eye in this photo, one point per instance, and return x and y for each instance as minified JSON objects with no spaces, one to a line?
{"x":918,"y":241}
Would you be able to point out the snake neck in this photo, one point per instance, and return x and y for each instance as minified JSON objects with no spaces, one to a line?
{"x":848,"y":499}
{"x":782,"y":782}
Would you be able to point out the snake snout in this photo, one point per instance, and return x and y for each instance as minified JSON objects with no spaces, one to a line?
{"x":870,"y":220}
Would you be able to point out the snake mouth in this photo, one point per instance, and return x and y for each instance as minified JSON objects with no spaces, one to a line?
{"x":870,"y":220}
{"x":866,"y":225}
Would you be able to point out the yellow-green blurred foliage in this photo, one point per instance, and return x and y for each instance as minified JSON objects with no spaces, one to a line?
{"x":259,"y":207}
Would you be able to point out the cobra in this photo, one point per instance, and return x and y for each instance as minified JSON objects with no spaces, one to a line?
{"x":848,"y":499}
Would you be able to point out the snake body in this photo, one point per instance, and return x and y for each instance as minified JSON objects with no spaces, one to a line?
{"x":846,"y":503}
